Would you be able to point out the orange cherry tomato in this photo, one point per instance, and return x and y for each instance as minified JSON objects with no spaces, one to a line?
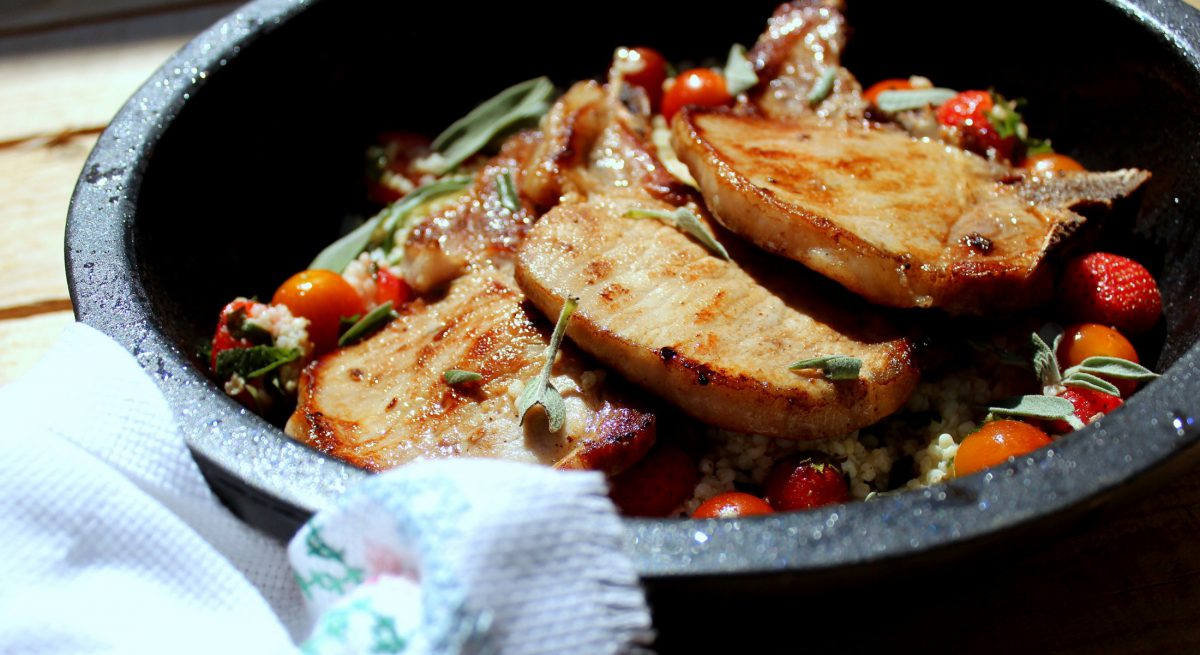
{"x":643,"y":67}
{"x":702,"y":87}
{"x":1050,"y":162}
{"x":388,"y":287}
{"x":1094,"y":340}
{"x":732,"y":504}
{"x":324,"y":298}
{"x":994,"y":443}
{"x":872,"y":93}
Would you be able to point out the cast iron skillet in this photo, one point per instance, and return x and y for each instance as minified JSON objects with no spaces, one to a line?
{"x":230,"y":168}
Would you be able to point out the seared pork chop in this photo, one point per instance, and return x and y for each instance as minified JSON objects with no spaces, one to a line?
{"x":384,"y":402}
{"x":702,"y":332}
{"x":902,"y":221}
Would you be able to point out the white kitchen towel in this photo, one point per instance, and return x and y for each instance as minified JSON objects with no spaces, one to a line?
{"x":112,"y":542}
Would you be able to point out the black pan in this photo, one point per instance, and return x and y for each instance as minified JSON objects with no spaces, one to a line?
{"x":229,"y":169}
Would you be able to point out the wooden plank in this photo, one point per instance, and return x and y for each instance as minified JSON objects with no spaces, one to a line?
{"x":36,"y":182}
{"x":23,"y":341}
{"x":77,"y":78}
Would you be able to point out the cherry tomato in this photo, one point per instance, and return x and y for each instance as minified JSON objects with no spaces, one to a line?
{"x":804,"y":481}
{"x":324,"y":298}
{"x":966,"y":106}
{"x":1051,"y":162}
{"x":223,"y":339}
{"x":968,"y":111}
{"x":994,"y":443}
{"x":388,"y":287}
{"x":702,"y":87}
{"x":872,"y":93}
{"x":643,"y":67}
{"x":1094,"y":340}
{"x":657,"y":484}
{"x":731,"y":505}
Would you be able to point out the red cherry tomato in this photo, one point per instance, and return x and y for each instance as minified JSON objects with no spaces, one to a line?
{"x":966,"y":106}
{"x":643,"y":67}
{"x":1050,"y":162}
{"x":1087,"y":403}
{"x":732,"y":504}
{"x":324,"y":298}
{"x":871,"y":95}
{"x":223,"y":339}
{"x":805,"y":481}
{"x":388,"y":287}
{"x":968,"y":111}
{"x":702,"y":87}
{"x":994,"y":443}
{"x":657,"y":484}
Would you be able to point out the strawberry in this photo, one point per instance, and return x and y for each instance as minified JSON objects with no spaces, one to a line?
{"x":804,"y":481}
{"x":1111,"y":290}
{"x":1088,"y":403}
{"x":657,"y":485}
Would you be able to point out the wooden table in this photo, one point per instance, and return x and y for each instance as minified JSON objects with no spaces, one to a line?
{"x":1129,"y":585}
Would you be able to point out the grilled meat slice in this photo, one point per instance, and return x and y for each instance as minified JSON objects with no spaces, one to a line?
{"x":901,"y":221}
{"x":706,"y":334}
{"x":384,"y":402}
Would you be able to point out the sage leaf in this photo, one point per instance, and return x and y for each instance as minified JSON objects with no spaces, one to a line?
{"x":337,"y":255}
{"x":823,"y":87}
{"x":739,"y":71}
{"x":508,"y":192}
{"x":835,"y":367}
{"x":685,"y":221}
{"x":540,"y":391}
{"x":1047,"y":408}
{"x":381,"y":228}
{"x":456,"y":376}
{"x":509,"y":109}
{"x":1113,"y":367}
{"x":1045,"y":361}
{"x":1089,"y":381}
{"x":375,"y":319}
{"x":253,"y":362}
{"x":892,"y":102}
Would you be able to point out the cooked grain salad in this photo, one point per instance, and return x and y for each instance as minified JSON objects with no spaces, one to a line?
{"x":735,"y":289}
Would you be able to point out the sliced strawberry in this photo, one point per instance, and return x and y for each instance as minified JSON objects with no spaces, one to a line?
{"x":657,"y":485}
{"x":1111,"y":290}
{"x":805,"y":481}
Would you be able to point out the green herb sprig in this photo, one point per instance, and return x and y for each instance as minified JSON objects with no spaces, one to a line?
{"x":540,"y":391}
{"x":508,"y":110}
{"x":687,"y":222}
{"x":834,"y":367}
{"x":253,"y":362}
{"x":380,"y":229}
{"x":456,"y":376}
{"x":739,"y":71}
{"x":375,"y":319}
{"x":507,"y":189}
{"x":823,"y":87}
{"x":892,"y":102}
